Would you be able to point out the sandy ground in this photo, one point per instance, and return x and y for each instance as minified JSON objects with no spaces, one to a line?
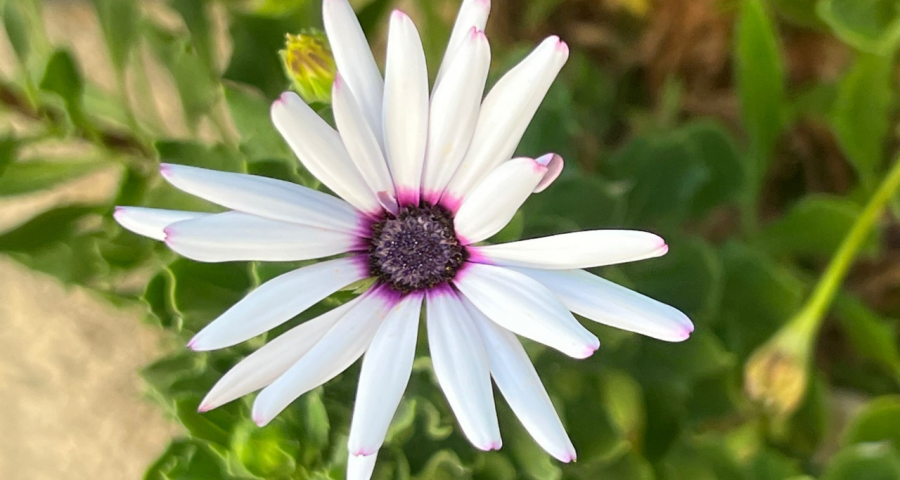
{"x":71,"y":401}
{"x":71,"y":405}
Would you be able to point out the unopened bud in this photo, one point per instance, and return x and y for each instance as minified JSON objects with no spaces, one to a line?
{"x":776,"y":375}
{"x":309,"y":64}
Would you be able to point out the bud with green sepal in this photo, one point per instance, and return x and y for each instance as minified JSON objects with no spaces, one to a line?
{"x":309,"y":65}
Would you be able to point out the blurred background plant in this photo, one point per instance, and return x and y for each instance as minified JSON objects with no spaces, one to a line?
{"x":756,"y":136}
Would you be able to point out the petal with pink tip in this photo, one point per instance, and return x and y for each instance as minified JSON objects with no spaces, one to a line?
{"x":354,"y":59}
{"x":473,"y":14}
{"x":337,"y":350}
{"x":265,"y":197}
{"x":521,"y":304}
{"x":592,"y":248}
{"x":360,"y":467}
{"x":462,"y":368}
{"x":236,"y":236}
{"x":321,"y":150}
{"x":454,"y":111}
{"x":405,"y":107}
{"x":277,"y":301}
{"x":506,"y":112}
{"x":362,"y":143}
{"x":385,"y":372}
{"x":268,"y":363}
{"x":605,"y":302}
{"x":151,"y":222}
{"x":494,"y":202}
{"x":520,"y":385}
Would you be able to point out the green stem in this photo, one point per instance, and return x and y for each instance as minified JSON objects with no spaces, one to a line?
{"x":827,"y":287}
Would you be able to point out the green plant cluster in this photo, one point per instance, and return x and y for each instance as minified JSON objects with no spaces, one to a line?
{"x":639,"y":409}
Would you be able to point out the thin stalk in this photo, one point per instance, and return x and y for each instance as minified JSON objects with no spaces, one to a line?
{"x":827,"y":287}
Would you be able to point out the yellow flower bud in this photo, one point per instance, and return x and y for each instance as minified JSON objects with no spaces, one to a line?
{"x":309,"y":65}
{"x":777,"y":373}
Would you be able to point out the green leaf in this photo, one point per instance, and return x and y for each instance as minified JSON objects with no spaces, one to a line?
{"x":250,"y":112}
{"x":717,"y":151}
{"x":63,"y":78}
{"x":193,"y":80}
{"x":36,"y":175}
{"x":815,"y":226}
{"x":9,"y":149}
{"x":760,"y":77}
{"x":268,"y":452}
{"x":877,"y":422}
{"x":575,"y":201}
{"x":862,"y":114}
{"x":870,"y":335}
{"x":870,"y":25}
{"x":190,"y":460}
{"x":203,"y":291}
{"x":45,"y":229}
{"x":869,"y":461}
{"x":255,"y":60}
{"x":118,"y":20}
{"x":195,"y":154}
{"x":16,"y":23}
{"x":371,"y":16}
{"x":195,"y":15}
{"x":215,"y":426}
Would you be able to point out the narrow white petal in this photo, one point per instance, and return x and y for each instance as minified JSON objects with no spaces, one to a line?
{"x":472,"y":14}
{"x":405,"y":107}
{"x":361,"y":141}
{"x":521,"y":304}
{"x":592,"y":248}
{"x":506,"y":112}
{"x":605,"y":302}
{"x":462,"y":368}
{"x":236,"y":236}
{"x":520,"y":385}
{"x":265,"y":197}
{"x":360,"y":467}
{"x":321,"y":150}
{"x":151,"y":222}
{"x":337,"y":350}
{"x":354,"y":59}
{"x":268,"y":363}
{"x":277,"y":301}
{"x":385,"y":372}
{"x":494,"y":202}
{"x":455,"y":104}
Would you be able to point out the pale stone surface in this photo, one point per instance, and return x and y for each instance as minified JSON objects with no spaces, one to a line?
{"x":72,"y":405}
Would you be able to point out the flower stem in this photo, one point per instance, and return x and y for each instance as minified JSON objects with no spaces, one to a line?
{"x":827,"y":287}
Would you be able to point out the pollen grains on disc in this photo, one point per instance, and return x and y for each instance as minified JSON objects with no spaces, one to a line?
{"x":415,"y":250}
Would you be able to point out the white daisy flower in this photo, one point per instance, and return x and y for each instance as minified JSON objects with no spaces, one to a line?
{"x":422,"y":180}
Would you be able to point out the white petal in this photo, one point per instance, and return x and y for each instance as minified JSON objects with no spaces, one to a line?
{"x":263,"y":366}
{"x":405,"y":107}
{"x":472,"y":14}
{"x":506,"y":112}
{"x":360,"y":467}
{"x":265,"y":197}
{"x":603,"y":301}
{"x":361,"y":141}
{"x":462,"y":368}
{"x":494,"y":202}
{"x":454,"y":111}
{"x":321,"y":150}
{"x":151,"y":222}
{"x":354,"y":59}
{"x":385,"y":372}
{"x":336,"y":351}
{"x":520,"y":385}
{"x":567,"y":251}
{"x":521,"y":304}
{"x":277,"y":301}
{"x":236,"y":236}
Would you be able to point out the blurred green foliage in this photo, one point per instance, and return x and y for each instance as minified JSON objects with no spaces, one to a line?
{"x":751,"y":217}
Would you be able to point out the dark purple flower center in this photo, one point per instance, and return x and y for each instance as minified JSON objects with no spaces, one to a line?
{"x":416,"y":249}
